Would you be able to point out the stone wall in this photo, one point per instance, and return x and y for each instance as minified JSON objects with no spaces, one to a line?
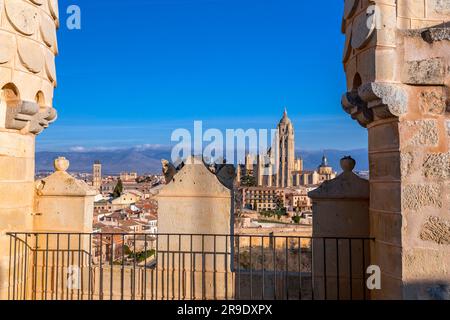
{"x":398,"y":81}
{"x":27,"y":77}
{"x":341,"y":231}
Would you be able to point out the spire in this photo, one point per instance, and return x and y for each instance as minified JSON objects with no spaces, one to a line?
{"x":285,"y":118}
{"x":324,"y":161}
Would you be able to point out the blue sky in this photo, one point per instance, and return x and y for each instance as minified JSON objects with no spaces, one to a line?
{"x":139,"y":69}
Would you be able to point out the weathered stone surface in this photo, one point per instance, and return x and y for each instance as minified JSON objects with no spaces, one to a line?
{"x":426,"y":133}
{"x":406,"y":163}
{"x":350,"y":8}
{"x":437,"y":165}
{"x":436,"y":230}
{"x":391,"y":95}
{"x":442,"y":6}
{"x":22,"y":15}
{"x":363,"y":30}
{"x":429,"y":71}
{"x":19,"y":116}
{"x":7,"y":48}
{"x":357,"y":108}
{"x":436,"y":34}
{"x":432,"y":102}
{"x":415,"y":197}
{"x":31,"y":55}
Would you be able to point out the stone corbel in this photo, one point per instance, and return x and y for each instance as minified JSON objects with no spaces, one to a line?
{"x":17,"y":117}
{"x":386,"y":100}
{"x":374,"y":101}
{"x":357,"y":108}
{"x":29,"y":112}
{"x":42,"y":120}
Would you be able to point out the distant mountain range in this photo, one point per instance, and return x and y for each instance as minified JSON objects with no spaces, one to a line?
{"x":148,"y":160}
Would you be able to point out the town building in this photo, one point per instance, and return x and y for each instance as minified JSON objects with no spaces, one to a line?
{"x":128,"y":176}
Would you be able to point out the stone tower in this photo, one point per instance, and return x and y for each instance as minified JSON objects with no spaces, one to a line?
{"x":97,"y":175}
{"x":396,"y":59}
{"x":286,"y":153}
{"x":27,"y":78}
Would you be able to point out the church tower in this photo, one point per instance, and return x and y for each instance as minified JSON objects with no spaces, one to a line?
{"x":97,"y":175}
{"x":286,"y":153}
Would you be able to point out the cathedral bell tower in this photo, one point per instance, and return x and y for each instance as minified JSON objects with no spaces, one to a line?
{"x":286,"y":154}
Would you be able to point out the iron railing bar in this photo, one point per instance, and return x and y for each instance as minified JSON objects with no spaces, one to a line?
{"x":263,"y":267}
{"x":79,"y":267}
{"x":90,"y":293}
{"x":286,"y":269}
{"x":325,"y":267}
{"x":111,"y":278}
{"x":364,"y":269}
{"x":191,"y":284}
{"x":145,"y":268}
{"x":215,"y":268}
{"x":251,"y":270}
{"x":57,"y":265}
{"x":15,"y":263}
{"x":337,"y":270}
{"x":68,"y":266}
{"x":25,"y":268}
{"x":226,"y":266}
{"x":168,"y":266}
{"x":300,"y":268}
{"x":238,"y":237}
{"x":351,"y":267}
{"x":179,"y":268}
{"x":274,"y":248}
{"x":36,"y":252}
{"x":133,"y":283}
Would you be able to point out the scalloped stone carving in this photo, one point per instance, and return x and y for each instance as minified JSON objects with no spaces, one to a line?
{"x":362,"y":30}
{"x":347,"y":46}
{"x":48,"y":30}
{"x":54,"y":10}
{"x":350,"y":8}
{"x":23,"y":16}
{"x":50,"y":68}
{"x":31,"y":55}
{"x":7,"y":47}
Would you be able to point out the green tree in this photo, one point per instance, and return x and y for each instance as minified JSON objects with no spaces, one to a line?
{"x":248,"y":181}
{"x":118,"y":190}
{"x":279,"y":202}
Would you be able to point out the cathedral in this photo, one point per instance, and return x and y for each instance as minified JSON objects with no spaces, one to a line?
{"x":279,"y":167}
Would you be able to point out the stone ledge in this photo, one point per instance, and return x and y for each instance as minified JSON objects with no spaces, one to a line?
{"x":430,"y":35}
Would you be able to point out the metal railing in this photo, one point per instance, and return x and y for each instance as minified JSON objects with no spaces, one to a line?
{"x":140,"y":266}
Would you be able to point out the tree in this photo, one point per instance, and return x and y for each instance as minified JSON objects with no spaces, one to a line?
{"x":248,"y":181}
{"x":118,"y":190}
{"x":296,"y":219}
{"x":279,"y":202}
